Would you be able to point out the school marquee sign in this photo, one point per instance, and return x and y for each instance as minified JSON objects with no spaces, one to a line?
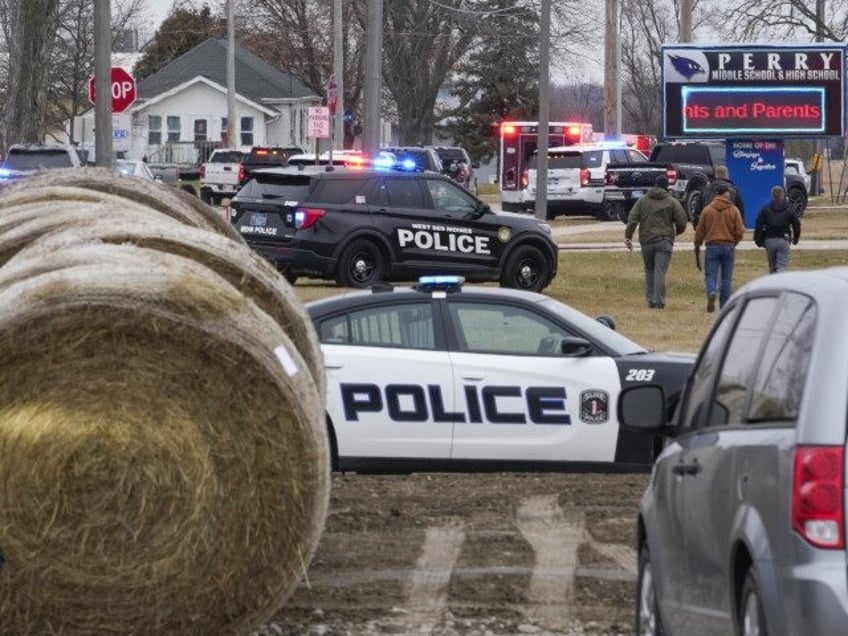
{"x":753,"y":90}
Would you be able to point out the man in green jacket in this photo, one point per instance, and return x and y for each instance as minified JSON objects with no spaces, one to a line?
{"x":660,"y":218}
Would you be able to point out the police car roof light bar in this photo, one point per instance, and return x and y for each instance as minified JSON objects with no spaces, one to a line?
{"x":440,"y":283}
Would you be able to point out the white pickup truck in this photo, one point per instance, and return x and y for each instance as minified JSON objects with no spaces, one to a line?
{"x":219,"y":176}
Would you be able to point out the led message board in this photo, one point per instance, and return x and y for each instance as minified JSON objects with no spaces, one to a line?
{"x":753,"y":90}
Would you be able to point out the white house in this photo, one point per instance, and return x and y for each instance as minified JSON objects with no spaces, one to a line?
{"x":181,"y":110}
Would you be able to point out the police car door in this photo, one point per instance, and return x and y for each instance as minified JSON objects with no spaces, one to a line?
{"x":427,"y":238}
{"x":388,"y":381}
{"x":522,"y":398}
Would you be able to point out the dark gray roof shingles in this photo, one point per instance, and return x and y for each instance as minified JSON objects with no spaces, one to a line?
{"x":256,"y":80}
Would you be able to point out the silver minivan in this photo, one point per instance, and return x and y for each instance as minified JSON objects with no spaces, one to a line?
{"x":742,"y":527}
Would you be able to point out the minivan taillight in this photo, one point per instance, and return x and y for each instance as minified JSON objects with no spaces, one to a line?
{"x":307,"y":217}
{"x":818,"y":495}
{"x":242,"y":177}
{"x":584,"y":177}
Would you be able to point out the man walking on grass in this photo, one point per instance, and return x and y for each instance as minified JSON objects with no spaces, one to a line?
{"x":660,"y":218}
{"x":720,"y":228}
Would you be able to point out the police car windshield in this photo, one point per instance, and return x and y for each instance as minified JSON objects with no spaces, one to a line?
{"x":594,"y":329}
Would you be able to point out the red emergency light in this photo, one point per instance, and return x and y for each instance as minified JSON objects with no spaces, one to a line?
{"x":508,"y":130}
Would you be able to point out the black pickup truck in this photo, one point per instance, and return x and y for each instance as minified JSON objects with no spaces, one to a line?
{"x":261,"y":157}
{"x":689,"y":166}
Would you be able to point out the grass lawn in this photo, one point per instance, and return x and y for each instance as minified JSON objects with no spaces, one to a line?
{"x":612,"y":282}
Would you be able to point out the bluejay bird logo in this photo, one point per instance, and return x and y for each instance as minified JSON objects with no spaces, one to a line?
{"x":686,"y":67}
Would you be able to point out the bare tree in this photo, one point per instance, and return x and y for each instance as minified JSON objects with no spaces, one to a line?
{"x":645,"y":26}
{"x":30,"y":30}
{"x":296,"y":36}
{"x":782,"y":20}
{"x":72,"y":58}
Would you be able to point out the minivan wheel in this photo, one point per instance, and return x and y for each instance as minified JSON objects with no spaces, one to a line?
{"x":648,"y":621}
{"x":361,"y":265}
{"x":752,"y":621}
{"x":526,"y":269}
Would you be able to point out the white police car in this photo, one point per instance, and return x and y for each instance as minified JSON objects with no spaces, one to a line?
{"x":446,"y":377}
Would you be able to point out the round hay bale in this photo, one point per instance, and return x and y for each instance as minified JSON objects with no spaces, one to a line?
{"x":158,"y":196}
{"x":237,"y":263}
{"x":163,"y":457}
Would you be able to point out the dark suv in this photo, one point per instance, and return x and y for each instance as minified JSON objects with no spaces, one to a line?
{"x":458,"y":166}
{"x":361,"y":226}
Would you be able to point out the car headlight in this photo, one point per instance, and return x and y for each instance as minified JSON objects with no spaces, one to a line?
{"x":544,"y":227}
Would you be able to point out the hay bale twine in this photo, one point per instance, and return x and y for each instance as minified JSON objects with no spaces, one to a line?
{"x":42,"y":232}
{"x":119,"y":190}
{"x":163,"y":457}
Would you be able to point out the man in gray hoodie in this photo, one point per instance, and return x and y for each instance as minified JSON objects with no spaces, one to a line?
{"x":660,"y":218}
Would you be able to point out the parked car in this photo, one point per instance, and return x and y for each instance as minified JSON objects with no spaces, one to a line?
{"x":419,"y":157}
{"x":134,"y":168}
{"x":576,"y":179}
{"x":452,"y":377}
{"x":457,"y":164}
{"x":23,"y":160}
{"x":361,"y":226}
{"x":742,"y":527}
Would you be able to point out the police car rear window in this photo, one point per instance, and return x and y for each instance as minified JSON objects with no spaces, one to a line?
{"x":36,"y":159}
{"x":291,"y":186}
{"x":338,"y":190}
{"x":401,"y":193}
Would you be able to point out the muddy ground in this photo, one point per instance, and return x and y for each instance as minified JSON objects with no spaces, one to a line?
{"x":476,"y":554}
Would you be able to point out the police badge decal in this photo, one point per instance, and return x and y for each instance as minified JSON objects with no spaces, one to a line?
{"x":594,"y":406}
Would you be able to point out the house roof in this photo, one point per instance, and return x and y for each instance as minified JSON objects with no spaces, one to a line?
{"x":255,"y":78}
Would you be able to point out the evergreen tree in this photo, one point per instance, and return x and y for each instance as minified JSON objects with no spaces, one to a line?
{"x":180,"y":32}
{"x":499,"y":80}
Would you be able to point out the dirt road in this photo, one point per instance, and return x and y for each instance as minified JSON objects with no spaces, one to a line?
{"x":496,"y":554}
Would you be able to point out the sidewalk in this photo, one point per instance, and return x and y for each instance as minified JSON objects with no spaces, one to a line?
{"x":616,"y":241}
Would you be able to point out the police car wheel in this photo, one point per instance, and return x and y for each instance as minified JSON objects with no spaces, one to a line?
{"x":526,"y":269}
{"x":361,"y":265}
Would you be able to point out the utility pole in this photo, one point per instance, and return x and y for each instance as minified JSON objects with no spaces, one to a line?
{"x":104,"y":156}
{"x":544,"y":111}
{"x":818,"y":159}
{"x":686,"y":20}
{"x":231,"y":76}
{"x":612,"y":73}
{"x":373,"y":78}
{"x":338,"y":70}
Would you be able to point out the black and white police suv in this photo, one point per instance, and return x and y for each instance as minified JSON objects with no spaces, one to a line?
{"x":360,"y":226}
{"x":443,"y":376}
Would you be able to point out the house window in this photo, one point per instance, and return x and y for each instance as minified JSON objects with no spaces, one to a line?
{"x":247,"y":131}
{"x":200,"y":129}
{"x":173,"y":128}
{"x":154,"y":130}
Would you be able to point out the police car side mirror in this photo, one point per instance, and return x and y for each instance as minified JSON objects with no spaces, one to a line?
{"x":642,"y":408}
{"x":575,"y":347}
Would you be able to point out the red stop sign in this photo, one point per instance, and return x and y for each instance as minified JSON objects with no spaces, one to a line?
{"x":123,"y":89}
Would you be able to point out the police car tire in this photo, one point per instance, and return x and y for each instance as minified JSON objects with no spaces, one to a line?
{"x":360,"y":265}
{"x":531,"y":259}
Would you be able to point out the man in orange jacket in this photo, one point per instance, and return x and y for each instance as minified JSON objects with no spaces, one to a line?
{"x":720,"y":227}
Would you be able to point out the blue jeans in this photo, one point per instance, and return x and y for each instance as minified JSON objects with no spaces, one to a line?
{"x":719,"y":260}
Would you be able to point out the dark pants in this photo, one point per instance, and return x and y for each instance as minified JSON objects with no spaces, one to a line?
{"x":657,"y":257}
